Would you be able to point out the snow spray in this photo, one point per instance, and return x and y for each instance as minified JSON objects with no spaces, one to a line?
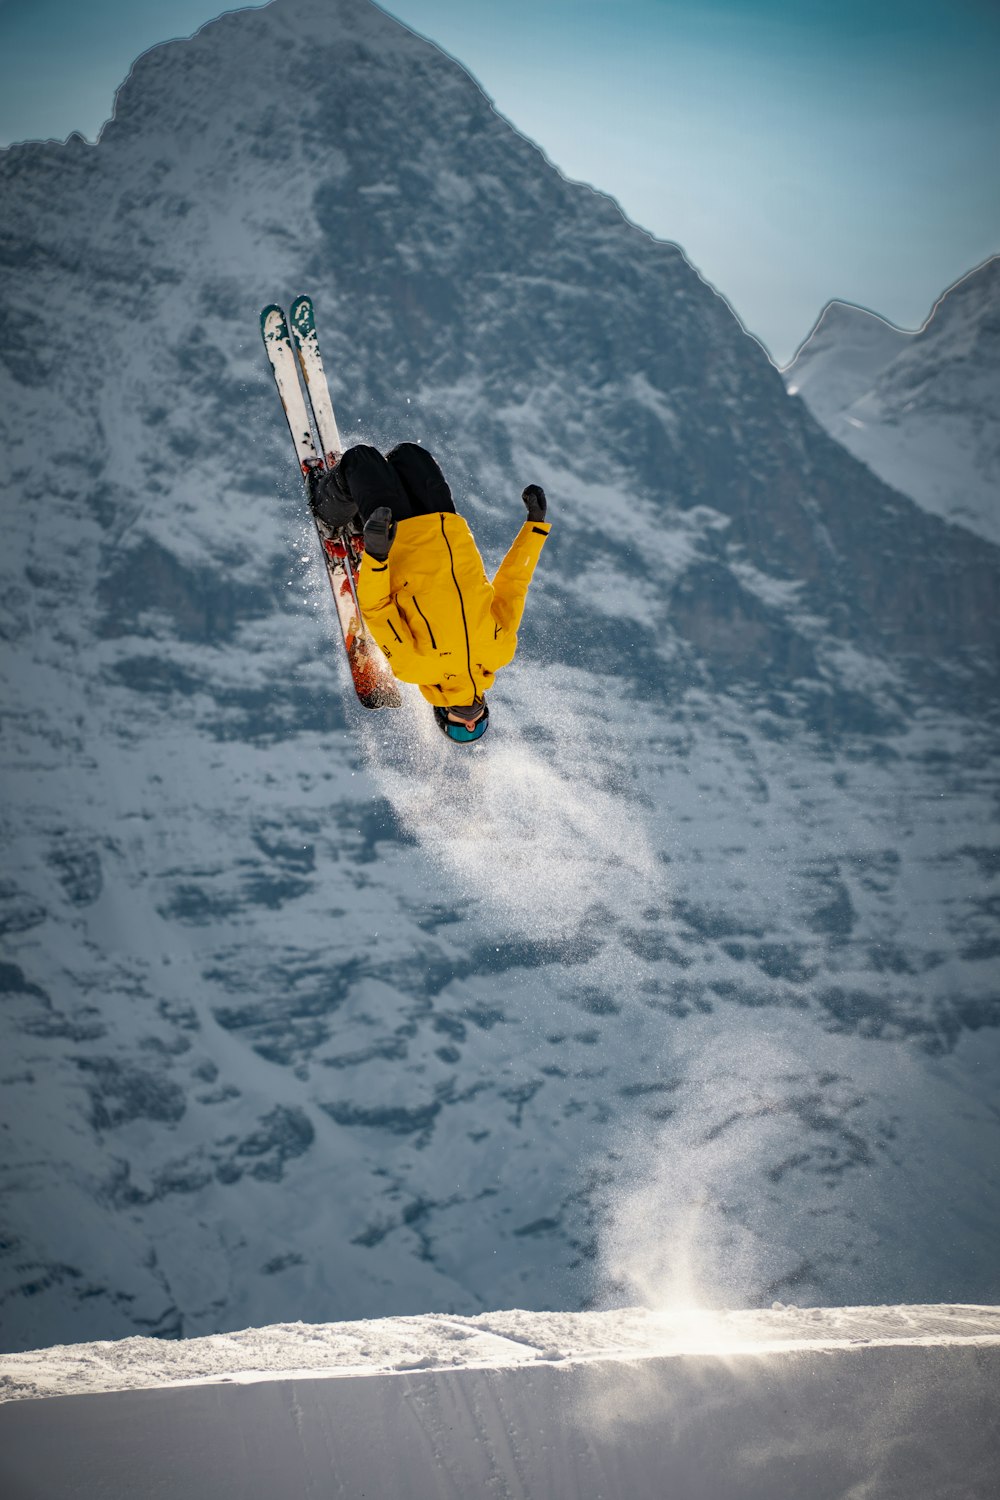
{"x":533,"y":822}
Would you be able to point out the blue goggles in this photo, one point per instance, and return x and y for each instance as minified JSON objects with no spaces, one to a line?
{"x":462,"y":734}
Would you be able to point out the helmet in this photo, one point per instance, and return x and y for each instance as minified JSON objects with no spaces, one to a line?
{"x":459,"y":732}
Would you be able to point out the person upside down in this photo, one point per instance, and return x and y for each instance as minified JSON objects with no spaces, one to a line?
{"x":422,"y":587}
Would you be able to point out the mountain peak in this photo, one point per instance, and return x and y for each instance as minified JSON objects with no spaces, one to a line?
{"x":919,"y":408}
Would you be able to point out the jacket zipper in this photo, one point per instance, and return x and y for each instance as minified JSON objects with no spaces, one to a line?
{"x":461,"y":601}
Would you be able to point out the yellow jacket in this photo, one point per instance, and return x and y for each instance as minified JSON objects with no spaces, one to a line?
{"x":434,"y":613}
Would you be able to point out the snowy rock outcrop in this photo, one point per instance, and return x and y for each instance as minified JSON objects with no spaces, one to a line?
{"x":688,"y":978}
{"x":920,"y":409}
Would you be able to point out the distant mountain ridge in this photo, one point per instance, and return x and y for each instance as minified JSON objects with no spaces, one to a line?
{"x":919,"y":408}
{"x":690,"y":971}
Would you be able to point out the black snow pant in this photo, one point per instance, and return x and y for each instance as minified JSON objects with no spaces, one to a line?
{"x":408,"y":480}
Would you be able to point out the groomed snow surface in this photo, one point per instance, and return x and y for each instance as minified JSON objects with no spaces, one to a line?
{"x":853,"y":1403}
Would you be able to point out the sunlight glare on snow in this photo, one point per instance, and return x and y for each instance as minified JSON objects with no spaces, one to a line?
{"x":680,"y":1237}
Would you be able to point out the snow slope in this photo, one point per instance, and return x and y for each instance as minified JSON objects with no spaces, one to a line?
{"x":687,"y":981}
{"x":893,"y":1401}
{"x":919,"y":408}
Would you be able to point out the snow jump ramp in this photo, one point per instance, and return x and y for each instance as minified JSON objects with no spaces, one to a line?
{"x":787,"y":1404}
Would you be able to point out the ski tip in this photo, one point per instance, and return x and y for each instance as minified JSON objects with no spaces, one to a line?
{"x":301,"y":312}
{"x":272,"y":318}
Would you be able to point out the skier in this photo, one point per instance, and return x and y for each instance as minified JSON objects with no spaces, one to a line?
{"x":422,"y":587}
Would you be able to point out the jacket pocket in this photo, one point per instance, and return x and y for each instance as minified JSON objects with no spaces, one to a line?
{"x":427,"y":623}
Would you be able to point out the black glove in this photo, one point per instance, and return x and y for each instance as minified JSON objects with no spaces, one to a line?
{"x":380,"y":532}
{"x":534,"y":498}
{"x":328,"y":499}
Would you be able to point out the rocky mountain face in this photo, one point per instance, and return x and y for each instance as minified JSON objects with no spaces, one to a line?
{"x":920,"y":409}
{"x":683,"y":983}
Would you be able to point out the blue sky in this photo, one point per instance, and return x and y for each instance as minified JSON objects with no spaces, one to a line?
{"x":797,"y":149}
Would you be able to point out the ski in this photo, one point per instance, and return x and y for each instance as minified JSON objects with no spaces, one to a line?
{"x":274,"y":331}
{"x":303,"y":324}
{"x":342,"y":550}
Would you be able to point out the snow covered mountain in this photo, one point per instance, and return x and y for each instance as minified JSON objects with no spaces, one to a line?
{"x":685,"y":984}
{"x":919,"y":408}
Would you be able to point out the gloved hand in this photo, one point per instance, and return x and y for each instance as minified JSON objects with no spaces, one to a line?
{"x":534,"y":498}
{"x":380,"y":533}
